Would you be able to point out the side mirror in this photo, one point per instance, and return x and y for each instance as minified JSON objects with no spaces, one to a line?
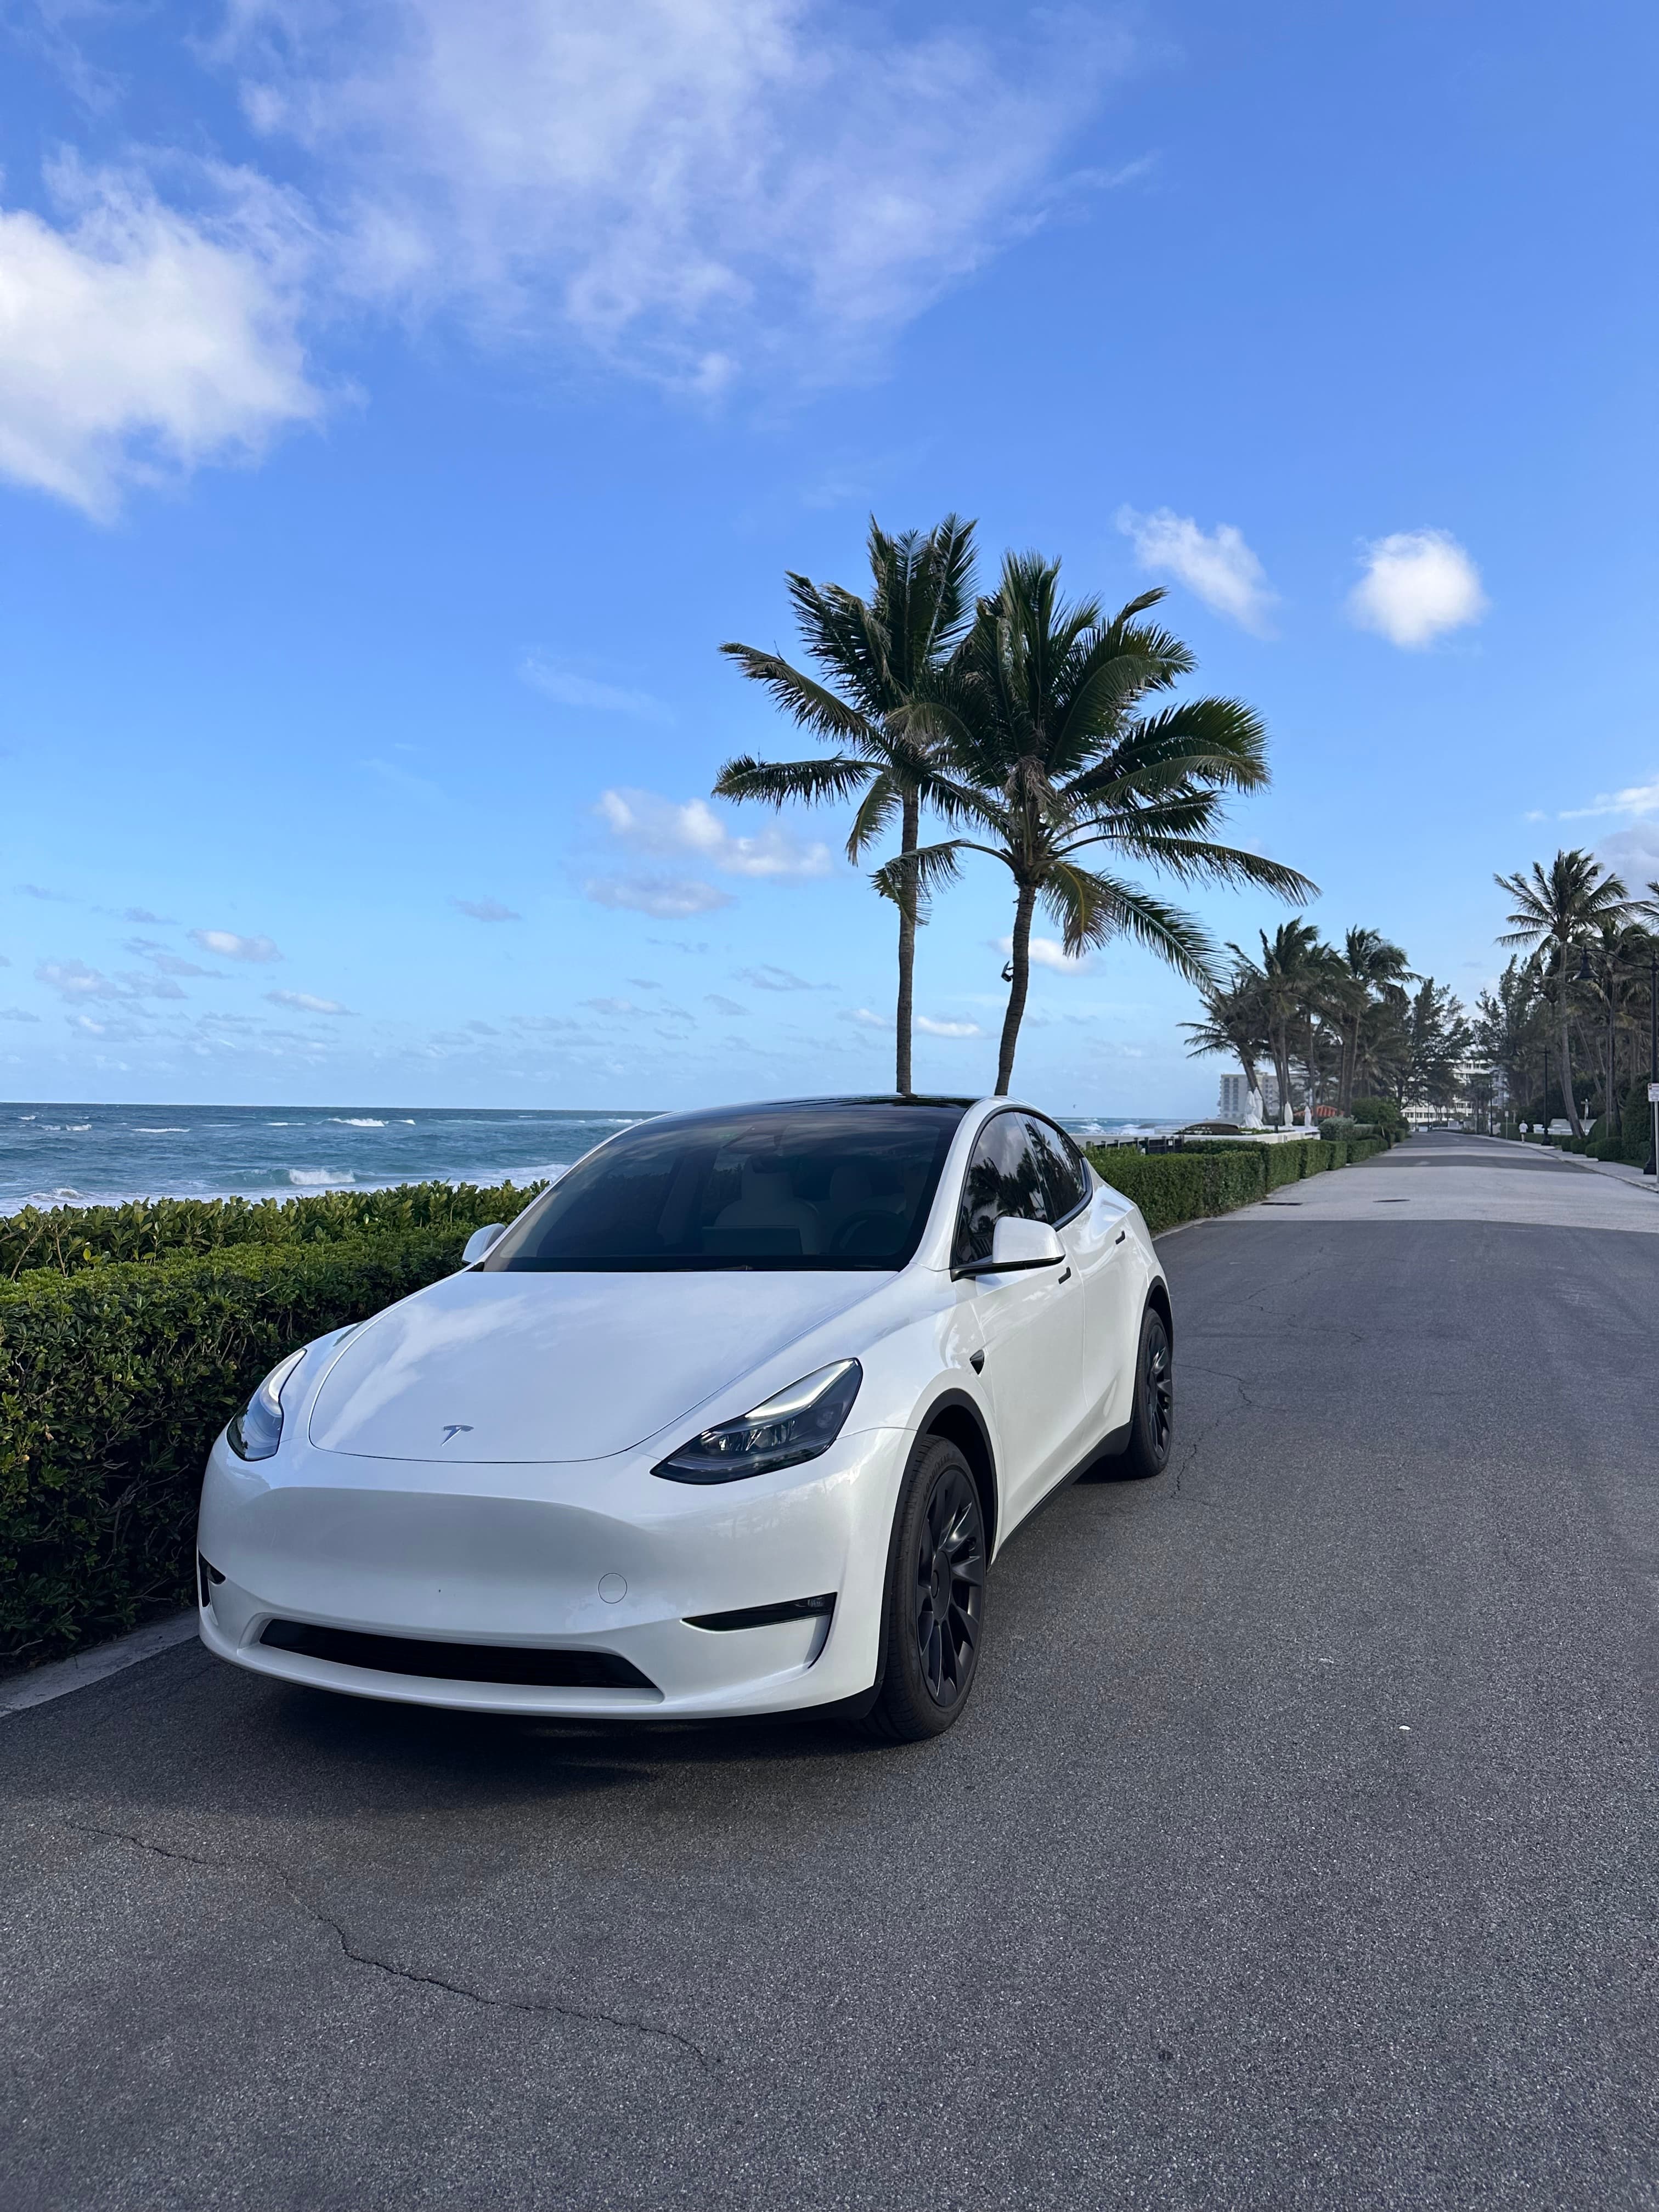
{"x":1025,"y":1244}
{"x":480,"y":1242}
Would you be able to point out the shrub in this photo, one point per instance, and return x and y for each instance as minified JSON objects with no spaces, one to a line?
{"x":1338,"y":1148}
{"x":114,"y":1381}
{"x":68,"y":1238}
{"x":1170,"y":1188}
{"x":1384,"y":1116}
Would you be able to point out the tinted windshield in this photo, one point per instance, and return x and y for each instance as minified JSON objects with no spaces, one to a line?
{"x":843,"y":1185}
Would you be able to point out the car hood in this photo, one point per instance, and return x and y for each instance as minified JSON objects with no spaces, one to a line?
{"x":508,"y":1367}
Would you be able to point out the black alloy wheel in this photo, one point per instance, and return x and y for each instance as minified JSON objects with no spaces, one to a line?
{"x":1153,"y":1419}
{"x":935,"y":1605}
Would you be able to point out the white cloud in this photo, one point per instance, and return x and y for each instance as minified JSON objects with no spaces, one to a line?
{"x":767,"y":977}
{"x":690,"y":187}
{"x":669,"y":898}
{"x":73,"y":979}
{"x":569,"y":689}
{"x":929,"y":1027}
{"x":1049,"y":952}
{"x":137,"y":343}
{"x":652,"y":824}
{"x":1636,"y":800}
{"x":722,"y":1004}
{"x":305,"y":1004}
{"x":1418,"y":583}
{"x":864,"y":1019}
{"x":229,"y":946}
{"x":487,"y":909}
{"x":16,"y":1014}
{"x":1219,"y":568}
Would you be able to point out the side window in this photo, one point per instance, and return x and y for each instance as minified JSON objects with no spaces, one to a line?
{"x":1065,"y":1175}
{"x":1003,"y":1178}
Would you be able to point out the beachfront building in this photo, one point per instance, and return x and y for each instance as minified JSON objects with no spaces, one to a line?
{"x":1234,"y":1104}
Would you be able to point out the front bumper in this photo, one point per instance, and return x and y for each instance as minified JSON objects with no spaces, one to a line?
{"x":598,"y":1556}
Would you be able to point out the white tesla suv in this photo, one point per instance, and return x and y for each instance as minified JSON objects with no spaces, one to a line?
{"x":731,"y":1420}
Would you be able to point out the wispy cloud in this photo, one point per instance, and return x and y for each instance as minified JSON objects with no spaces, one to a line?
{"x":930,"y":1027}
{"x":1635,"y":801}
{"x":305,"y":1003}
{"x":141,"y":913}
{"x":230,"y":946}
{"x":567,"y":687}
{"x":654,"y":825}
{"x":1216,"y":567}
{"x":1417,"y":584}
{"x":722,"y":1004}
{"x":40,"y":891}
{"x":865,"y":1018}
{"x":1049,"y":952}
{"x":486,"y":909}
{"x":767,"y":977}
{"x":669,"y":898}
{"x":693,"y":193}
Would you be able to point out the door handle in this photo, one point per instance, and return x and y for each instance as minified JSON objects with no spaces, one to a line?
{"x":1121,"y":1234}
{"x":976,"y":1361}
{"x":1066,"y":1277}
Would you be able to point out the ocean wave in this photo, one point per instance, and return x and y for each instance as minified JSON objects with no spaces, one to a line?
{"x":318,"y":1178}
{"x":169,"y":1129}
{"x":355,"y":1122}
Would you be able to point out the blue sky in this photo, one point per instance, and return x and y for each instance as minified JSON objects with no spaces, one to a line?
{"x":395,"y":417}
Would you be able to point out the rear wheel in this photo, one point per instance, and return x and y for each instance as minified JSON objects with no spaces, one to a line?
{"x":1152,"y":1421}
{"x":935,"y":1601}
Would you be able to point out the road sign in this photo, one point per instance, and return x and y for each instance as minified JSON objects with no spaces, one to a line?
{"x":1653,"y":1094}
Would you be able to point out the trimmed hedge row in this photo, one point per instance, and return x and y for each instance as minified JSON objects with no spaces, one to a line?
{"x":114,"y":1382}
{"x":1200,"y":1180}
{"x":68,"y":1238}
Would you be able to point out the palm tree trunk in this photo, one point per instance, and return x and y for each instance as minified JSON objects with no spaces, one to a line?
{"x":1021,"y":962}
{"x":908,"y":837}
{"x":1573,"y":1122}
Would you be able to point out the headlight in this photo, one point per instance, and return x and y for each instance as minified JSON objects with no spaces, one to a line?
{"x":257,"y":1431}
{"x":797,"y":1424}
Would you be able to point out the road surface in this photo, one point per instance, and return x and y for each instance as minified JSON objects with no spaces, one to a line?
{"x":1298,"y":1849}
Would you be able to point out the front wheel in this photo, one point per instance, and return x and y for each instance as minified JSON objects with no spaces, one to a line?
{"x":1151,"y":1422}
{"x":935,"y":1600}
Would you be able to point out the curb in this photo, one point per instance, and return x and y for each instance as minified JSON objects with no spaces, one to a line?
{"x":18,"y":1693}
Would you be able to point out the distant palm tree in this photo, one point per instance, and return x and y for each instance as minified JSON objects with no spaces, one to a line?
{"x":1560,"y":913}
{"x":1294,"y":968}
{"x":1048,"y":753}
{"x":1363,"y":964}
{"x":1235,"y":1021}
{"x":879,"y":657}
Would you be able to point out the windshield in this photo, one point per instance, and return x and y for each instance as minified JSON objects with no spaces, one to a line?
{"x":847,"y":1184}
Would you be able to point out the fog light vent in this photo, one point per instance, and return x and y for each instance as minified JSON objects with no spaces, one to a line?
{"x":207,"y":1579}
{"x":766,"y":1616}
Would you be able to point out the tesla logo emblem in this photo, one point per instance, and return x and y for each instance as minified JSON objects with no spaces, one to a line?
{"x":456,"y":1429}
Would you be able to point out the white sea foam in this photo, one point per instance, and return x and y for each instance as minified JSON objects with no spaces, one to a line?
{"x":169,"y":1129}
{"x":355,"y":1122}
{"x":318,"y":1178}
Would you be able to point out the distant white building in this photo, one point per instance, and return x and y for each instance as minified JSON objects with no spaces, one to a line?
{"x":1234,"y":1104}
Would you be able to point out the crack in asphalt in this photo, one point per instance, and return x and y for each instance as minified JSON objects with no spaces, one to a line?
{"x":548,"y":2006}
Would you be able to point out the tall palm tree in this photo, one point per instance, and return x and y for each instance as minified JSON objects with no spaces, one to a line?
{"x":1360,"y":967}
{"x":1294,"y":965}
{"x":1560,"y":913}
{"x":1235,"y":1021}
{"x":1048,"y":752}
{"x":879,"y":657}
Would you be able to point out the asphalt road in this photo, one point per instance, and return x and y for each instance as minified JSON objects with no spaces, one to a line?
{"x":1299,"y":1848}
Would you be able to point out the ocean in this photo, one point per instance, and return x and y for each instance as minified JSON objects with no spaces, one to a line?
{"x":79,"y":1155}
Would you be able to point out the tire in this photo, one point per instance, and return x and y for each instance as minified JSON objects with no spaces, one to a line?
{"x":1151,"y":1425}
{"x":933,"y":1619}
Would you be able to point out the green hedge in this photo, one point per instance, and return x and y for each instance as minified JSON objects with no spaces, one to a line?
{"x":68,"y":1238}
{"x":1200,"y":1180}
{"x":114,"y":1382}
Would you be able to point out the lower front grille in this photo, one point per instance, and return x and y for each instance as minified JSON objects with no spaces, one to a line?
{"x":515,"y":1665}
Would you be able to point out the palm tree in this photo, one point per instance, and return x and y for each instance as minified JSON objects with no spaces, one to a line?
{"x":1559,"y":912}
{"x":1047,"y":752}
{"x":1235,"y":1021}
{"x":1365,"y":961}
{"x":1294,"y":965}
{"x":879,"y":656}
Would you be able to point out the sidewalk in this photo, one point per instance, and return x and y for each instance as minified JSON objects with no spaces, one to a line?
{"x":1616,"y":1168}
